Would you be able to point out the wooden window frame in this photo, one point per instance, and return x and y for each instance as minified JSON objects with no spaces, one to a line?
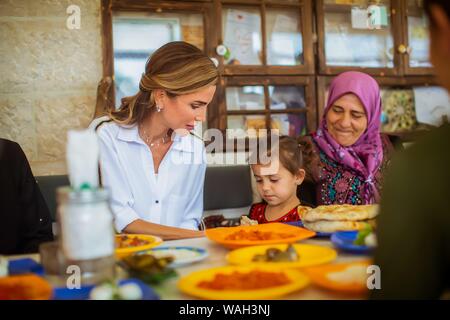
{"x":324,"y":69}
{"x":307,"y":82}
{"x":305,"y":16}
{"x":218,"y":116}
{"x":405,"y":57}
{"x":204,"y":7}
{"x":314,"y":74}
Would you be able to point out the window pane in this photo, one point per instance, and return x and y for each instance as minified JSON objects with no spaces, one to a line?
{"x":256,"y":122}
{"x":245,"y":98}
{"x":242,"y":36}
{"x":348,"y":43}
{"x":418,"y":36}
{"x":287,"y":97}
{"x":284,"y":38}
{"x":137,"y":36}
{"x":289,"y":124}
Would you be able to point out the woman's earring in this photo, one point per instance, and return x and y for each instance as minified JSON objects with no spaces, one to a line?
{"x":158,"y":108}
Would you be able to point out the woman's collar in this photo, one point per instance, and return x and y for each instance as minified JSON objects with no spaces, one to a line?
{"x":180,"y":142}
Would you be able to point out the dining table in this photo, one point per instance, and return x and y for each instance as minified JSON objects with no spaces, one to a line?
{"x":168,"y":290}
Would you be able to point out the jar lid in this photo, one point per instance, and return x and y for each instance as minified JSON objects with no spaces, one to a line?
{"x":67,"y":194}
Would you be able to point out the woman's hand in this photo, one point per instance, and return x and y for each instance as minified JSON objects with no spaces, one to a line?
{"x":164,"y":232}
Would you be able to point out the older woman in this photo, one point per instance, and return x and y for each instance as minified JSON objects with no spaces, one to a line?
{"x":345,"y":158}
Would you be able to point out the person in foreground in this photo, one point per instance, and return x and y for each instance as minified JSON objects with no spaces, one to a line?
{"x":414,"y":223}
{"x":151,"y":163}
{"x":25,"y":217}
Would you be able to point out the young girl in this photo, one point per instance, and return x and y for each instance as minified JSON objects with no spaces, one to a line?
{"x":277,"y":184}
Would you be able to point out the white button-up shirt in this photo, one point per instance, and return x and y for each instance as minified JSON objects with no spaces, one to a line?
{"x":173,"y":197}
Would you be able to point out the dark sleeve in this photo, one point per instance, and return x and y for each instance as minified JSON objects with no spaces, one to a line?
{"x":411,"y":245}
{"x":35,"y":220}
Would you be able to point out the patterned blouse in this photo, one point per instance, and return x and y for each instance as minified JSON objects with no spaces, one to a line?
{"x":258,"y":210}
{"x":336,"y":184}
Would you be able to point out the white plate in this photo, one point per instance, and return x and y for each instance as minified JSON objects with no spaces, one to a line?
{"x":183,"y":255}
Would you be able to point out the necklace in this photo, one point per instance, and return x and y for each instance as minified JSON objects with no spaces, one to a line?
{"x":157,"y":142}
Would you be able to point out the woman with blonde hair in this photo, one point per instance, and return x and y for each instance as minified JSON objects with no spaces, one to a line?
{"x":151,"y":163}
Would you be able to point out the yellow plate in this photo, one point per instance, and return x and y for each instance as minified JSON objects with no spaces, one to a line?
{"x":153,"y":241}
{"x":189,"y":284}
{"x":320,"y":275}
{"x":219,"y":234}
{"x":310,"y":255}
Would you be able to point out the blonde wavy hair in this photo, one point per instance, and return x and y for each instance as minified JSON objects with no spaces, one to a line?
{"x":177,"y":68}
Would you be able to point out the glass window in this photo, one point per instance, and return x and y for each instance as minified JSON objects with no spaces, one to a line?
{"x":284,"y":38}
{"x":287,"y":97}
{"x":245,"y":98}
{"x":242,"y":36}
{"x":350,"y":41}
{"x":136,"y":36}
{"x":240,"y":124}
{"x":289,"y":124}
{"x":418,"y":35}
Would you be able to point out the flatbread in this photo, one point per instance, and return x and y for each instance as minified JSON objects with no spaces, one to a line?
{"x":246,"y":221}
{"x":301,"y":210}
{"x":333,"y":226}
{"x":343,"y":212}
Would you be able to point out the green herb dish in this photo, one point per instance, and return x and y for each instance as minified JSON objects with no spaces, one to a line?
{"x":148,"y":268}
{"x":362,"y":235}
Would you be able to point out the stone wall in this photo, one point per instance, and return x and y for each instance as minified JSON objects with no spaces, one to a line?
{"x":49,"y":76}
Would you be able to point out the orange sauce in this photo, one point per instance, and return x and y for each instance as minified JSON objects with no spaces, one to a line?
{"x":245,"y":281}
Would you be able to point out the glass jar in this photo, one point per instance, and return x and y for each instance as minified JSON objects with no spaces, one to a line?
{"x":87,"y":233}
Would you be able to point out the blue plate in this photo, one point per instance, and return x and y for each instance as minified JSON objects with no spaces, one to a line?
{"x":318,"y":234}
{"x":183,"y":255}
{"x":343,"y":240}
{"x":72,"y":294}
{"x":83,"y":292}
{"x":26,"y":265}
